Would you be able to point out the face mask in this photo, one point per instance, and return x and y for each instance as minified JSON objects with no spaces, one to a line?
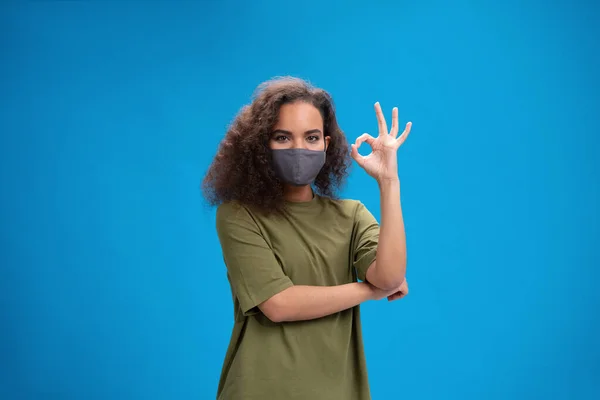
{"x":298,"y":167}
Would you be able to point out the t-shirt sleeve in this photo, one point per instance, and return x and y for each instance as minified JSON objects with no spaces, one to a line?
{"x":365,"y":240}
{"x":254,"y":272}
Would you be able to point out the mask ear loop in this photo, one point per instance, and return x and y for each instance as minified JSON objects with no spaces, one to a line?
{"x":325,"y":151}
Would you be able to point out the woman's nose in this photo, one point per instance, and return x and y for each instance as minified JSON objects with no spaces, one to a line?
{"x":299,"y":144}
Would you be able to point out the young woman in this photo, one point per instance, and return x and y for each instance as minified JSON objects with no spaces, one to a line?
{"x":300,"y":261}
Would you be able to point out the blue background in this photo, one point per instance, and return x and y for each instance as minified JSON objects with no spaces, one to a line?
{"x":112,"y":284}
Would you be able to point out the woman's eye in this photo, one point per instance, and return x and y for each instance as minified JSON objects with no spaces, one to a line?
{"x":280,"y":138}
{"x":313,"y":138}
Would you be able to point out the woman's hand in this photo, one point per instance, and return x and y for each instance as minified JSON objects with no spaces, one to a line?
{"x":400,"y":293}
{"x":382,"y":163}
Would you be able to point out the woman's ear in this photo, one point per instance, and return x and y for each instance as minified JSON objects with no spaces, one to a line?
{"x":327,"y":140}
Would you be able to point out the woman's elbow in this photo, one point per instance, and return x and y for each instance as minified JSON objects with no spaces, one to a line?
{"x":385,"y":281}
{"x":390,"y":284}
{"x":274,"y":309}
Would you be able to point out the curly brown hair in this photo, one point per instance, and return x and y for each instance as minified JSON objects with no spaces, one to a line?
{"x":242,"y":171}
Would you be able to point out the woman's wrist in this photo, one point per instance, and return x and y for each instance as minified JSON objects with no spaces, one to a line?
{"x":388,"y":183}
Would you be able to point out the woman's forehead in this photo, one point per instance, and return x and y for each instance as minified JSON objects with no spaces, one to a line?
{"x":299,"y":116}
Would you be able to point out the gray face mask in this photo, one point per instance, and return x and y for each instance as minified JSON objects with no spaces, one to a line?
{"x":298,"y":167}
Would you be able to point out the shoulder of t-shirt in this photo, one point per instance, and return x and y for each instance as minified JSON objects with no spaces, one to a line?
{"x":230,"y":210}
{"x":234,"y":217}
{"x":349,"y":206}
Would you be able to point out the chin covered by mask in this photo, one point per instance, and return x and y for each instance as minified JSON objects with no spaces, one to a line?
{"x":298,"y":167}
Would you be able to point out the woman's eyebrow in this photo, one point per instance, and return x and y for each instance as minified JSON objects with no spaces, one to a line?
{"x":281,"y":131}
{"x":312,"y":131}
{"x":289,"y":133}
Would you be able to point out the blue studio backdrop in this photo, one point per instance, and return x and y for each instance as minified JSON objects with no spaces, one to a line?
{"x":112,"y":284}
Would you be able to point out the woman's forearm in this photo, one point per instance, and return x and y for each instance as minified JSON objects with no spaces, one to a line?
{"x":389,"y":270}
{"x":299,"y":303}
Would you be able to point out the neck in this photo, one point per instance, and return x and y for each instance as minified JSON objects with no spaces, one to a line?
{"x":297,"y":194}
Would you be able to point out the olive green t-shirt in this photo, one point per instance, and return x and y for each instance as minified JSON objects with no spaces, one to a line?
{"x":322,"y":242}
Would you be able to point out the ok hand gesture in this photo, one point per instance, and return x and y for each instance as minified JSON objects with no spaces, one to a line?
{"x":382,"y":163}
